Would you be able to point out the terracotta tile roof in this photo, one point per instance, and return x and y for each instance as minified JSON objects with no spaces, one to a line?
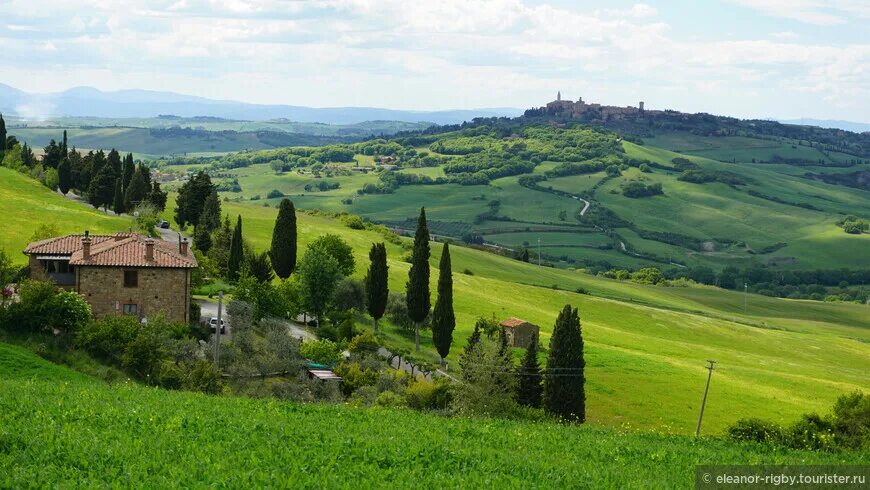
{"x":67,"y":244}
{"x":513,"y":322}
{"x":120,"y":250}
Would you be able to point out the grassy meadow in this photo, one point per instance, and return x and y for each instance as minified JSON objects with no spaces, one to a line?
{"x":25,"y":204}
{"x":61,"y":428}
{"x":643,"y":341}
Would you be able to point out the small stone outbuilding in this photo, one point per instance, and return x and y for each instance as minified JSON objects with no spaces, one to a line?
{"x":519,"y":332}
{"x":124,"y":273}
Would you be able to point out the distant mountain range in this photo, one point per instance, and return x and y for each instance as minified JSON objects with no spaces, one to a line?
{"x":856,"y":127}
{"x":90,"y":102}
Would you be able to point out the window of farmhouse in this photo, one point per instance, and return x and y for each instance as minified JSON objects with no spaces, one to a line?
{"x":131,"y":279}
{"x":130,"y":309}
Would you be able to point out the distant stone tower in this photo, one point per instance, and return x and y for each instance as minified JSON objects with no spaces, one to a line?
{"x":640,"y":106}
{"x":558,"y":96}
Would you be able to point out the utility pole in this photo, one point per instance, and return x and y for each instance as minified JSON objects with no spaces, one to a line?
{"x":217,"y":329}
{"x":539,"y":251}
{"x":710,"y":364}
{"x":745,"y":297}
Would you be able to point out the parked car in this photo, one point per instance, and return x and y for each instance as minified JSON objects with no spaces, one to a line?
{"x":213,"y":322}
{"x":163,"y":224}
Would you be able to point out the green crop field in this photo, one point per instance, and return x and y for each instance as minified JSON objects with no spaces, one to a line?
{"x":26,"y":204}
{"x":60,"y":428}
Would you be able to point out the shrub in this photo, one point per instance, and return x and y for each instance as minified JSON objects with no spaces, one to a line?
{"x":365,"y":342}
{"x":321,"y":351}
{"x":647,"y":275}
{"x":355,"y":376}
{"x":755,"y":430}
{"x":71,"y":310}
{"x":274,"y":194}
{"x":391,"y":400}
{"x":428,"y":395}
{"x":353,"y":221}
{"x":108,"y":337}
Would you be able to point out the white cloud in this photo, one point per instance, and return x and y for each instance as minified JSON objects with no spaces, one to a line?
{"x":424,"y":55}
{"x":817,"y":12}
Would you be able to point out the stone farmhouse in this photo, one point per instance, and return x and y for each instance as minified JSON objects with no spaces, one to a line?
{"x":519,"y":333}
{"x":124,"y":273}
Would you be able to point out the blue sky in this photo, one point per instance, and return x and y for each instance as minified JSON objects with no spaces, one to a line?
{"x":747,"y":58}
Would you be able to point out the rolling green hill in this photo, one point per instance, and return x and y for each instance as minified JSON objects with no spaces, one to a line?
{"x":59,"y":428}
{"x":25,"y":204}
{"x":646,"y":345}
{"x":776,"y":217}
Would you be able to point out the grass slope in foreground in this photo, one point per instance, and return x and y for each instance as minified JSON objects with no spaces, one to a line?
{"x":25,"y":204}
{"x":76,"y":431}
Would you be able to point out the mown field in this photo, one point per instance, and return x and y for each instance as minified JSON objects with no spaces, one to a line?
{"x":59,"y":428}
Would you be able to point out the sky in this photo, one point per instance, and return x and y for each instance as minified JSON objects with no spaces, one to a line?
{"x":745,"y":58}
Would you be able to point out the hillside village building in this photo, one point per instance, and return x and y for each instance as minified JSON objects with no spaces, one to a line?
{"x":580,"y":109}
{"x":124,"y":273}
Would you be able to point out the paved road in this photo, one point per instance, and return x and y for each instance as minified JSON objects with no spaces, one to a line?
{"x":208,"y":309}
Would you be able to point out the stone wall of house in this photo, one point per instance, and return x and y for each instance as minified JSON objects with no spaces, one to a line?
{"x":522,"y":335}
{"x":159,"y":290}
{"x":36,"y":270}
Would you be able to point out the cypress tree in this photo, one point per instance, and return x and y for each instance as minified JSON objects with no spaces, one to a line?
{"x":529,"y":388}
{"x":118,"y":201}
{"x":128,"y":169}
{"x":113,"y":159}
{"x":210,"y":218}
{"x":417,"y":290}
{"x":64,"y":176}
{"x":64,"y":146}
{"x":564,"y":383}
{"x":234,"y":265}
{"x":101,"y":190}
{"x":283,"y":250}
{"x":2,"y":135}
{"x":443,"y":319}
{"x":377,"y":288}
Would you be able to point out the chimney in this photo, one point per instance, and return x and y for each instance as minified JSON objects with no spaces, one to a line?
{"x":149,"y":249}
{"x":182,"y":247}
{"x":86,"y":247}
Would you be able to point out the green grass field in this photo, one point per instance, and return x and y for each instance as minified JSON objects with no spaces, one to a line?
{"x":25,"y":204}
{"x":645,"y":340}
{"x":60,"y":428}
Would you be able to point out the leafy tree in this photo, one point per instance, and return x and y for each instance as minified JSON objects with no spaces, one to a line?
{"x":377,"y":287}
{"x":334,"y":245}
{"x":489,"y":382}
{"x":564,"y":383}
{"x":219,"y":252}
{"x":417,"y":288}
{"x":191,"y":198}
{"x":136,"y":191}
{"x":118,"y":200}
{"x":319,"y":272}
{"x":257,"y":265}
{"x":101,"y":191}
{"x":234,"y":263}
{"x":350,"y":294}
{"x":52,"y":155}
{"x":283,"y":250}
{"x":525,"y":255}
{"x":64,"y":176}
{"x":529,"y":388}
{"x":443,"y":318}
